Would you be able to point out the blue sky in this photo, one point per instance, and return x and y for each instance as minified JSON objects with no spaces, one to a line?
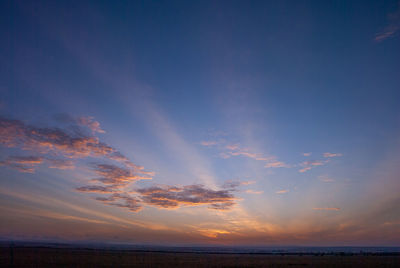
{"x":209,"y":122}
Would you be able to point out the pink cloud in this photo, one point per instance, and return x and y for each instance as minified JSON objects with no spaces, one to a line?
{"x":254,"y":192}
{"x":276,"y":164}
{"x":332,"y":154}
{"x":90,"y":123}
{"x":208,"y":143}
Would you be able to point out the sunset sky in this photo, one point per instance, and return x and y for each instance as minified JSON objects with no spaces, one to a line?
{"x":200,"y":122}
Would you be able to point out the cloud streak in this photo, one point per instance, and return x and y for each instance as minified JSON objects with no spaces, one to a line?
{"x":392,"y":28}
{"x":333,"y":208}
{"x":327,"y":155}
{"x":122,"y":201}
{"x":231,"y":150}
{"x":308,"y":165}
{"x":282,"y":192}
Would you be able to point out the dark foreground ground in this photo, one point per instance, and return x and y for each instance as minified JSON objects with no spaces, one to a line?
{"x":62,"y":257}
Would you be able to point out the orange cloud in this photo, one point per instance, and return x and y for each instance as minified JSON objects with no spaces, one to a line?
{"x":282,"y":192}
{"x":60,"y":163}
{"x":24,"y":164}
{"x":112,"y":174}
{"x":254,"y":192}
{"x":190,"y":195}
{"x":304,"y":169}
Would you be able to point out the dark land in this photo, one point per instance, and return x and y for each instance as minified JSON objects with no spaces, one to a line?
{"x":67,"y":256}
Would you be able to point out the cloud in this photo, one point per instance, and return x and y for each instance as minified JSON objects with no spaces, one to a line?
{"x":247,"y":182}
{"x":392,"y":28}
{"x":14,"y":133}
{"x":24,"y":164}
{"x":86,"y":121}
{"x":254,"y":192}
{"x":304,"y":169}
{"x":326,"y":209}
{"x":71,"y":144}
{"x":332,"y":154}
{"x":125,"y":201}
{"x":170,"y":197}
{"x":114,"y":175}
{"x":275,"y":164}
{"x":325,"y":179}
{"x":96,"y":189}
{"x":236,"y":150}
{"x":60,"y":163}
{"x":282,"y":192}
{"x":306,"y":154}
{"x":28,"y":163}
{"x":89,"y":122}
{"x":233,"y":184}
{"x":308,"y":165}
{"x":208,"y":143}
{"x":232,"y":147}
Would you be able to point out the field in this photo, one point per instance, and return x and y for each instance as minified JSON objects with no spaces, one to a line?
{"x":61,"y":257}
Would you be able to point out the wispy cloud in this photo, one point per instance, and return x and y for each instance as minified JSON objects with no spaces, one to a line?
{"x":89,"y":122}
{"x":282,"y":191}
{"x":254,"y":192}
{"x":60,"y":163}
{"x":306,"y":154}
{"x":308,"y":165}
{"x":25,"y":164}
{"x":208,"y":143}
{"x":96,"y":189}
{"x":247,"y":182}
{"x":392,"y":28}
{"x":86,"y":121}
{"x":122,"y":201}
{"x":327,"y":155}
{"x":276,"y":164}
{"x":325,"y":179}
{"x":327,"y":208}
{"x":28,"y":164}
{"x":231,"y":150}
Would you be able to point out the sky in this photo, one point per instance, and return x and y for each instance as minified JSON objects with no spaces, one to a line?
{"x":200,"y":122}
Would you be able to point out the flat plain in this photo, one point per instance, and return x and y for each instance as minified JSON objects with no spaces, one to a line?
{"x":67,"y":257}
